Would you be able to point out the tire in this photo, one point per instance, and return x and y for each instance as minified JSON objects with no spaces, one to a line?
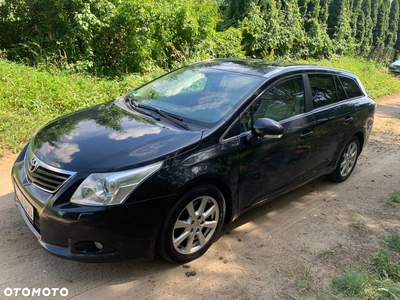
{"x":192,"y":225}
{"x":347,"y":161}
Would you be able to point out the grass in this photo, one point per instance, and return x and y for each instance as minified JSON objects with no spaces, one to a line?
{"x":382,"y":282}
{"x":351,"y":283}
{"x":304,"y":284}
{"x":361,"y":285}
{"x":392,"y":240}
{"x":31,"y":97}
{"x":331,"y":251}
{"x":376,"y":277}
{"x":357,"y":220}
{"x":386,"y":265}
{"x":393,"y":198}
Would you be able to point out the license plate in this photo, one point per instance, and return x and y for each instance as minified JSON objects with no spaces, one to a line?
{"x":25,"y":204}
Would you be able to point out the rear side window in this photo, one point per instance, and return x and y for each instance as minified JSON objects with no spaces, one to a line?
{"x":351,"y":87}
{"x":323,"y":89}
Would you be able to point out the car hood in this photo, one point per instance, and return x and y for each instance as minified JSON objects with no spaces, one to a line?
{"x":108,"y":138}
{"x":395,"y":63}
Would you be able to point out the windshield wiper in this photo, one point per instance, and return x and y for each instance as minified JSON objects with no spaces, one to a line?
{"x":174,"y":119}
{"x":135,"y":106}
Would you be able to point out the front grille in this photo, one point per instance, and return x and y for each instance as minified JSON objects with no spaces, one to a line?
{"x":44,"y":176}
{"x":47,"y":179}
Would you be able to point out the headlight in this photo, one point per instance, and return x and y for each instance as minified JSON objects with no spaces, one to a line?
{"x":111,"y":188}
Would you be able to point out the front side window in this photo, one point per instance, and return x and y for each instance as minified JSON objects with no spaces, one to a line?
{"x":282,"y":101}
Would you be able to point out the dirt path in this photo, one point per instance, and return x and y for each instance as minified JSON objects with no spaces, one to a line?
{"x":290,"y":247}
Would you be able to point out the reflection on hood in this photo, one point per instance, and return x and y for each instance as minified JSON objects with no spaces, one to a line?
{"x":106,"y":138}
{"x":134,"y":133}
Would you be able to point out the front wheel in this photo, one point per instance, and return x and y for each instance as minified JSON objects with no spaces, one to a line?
{"x":192,"y":224}
{"x":347,"y":161}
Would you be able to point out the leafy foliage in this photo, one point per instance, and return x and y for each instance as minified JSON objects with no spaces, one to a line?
{"x":113,"y":37}
{"x":382,"y":24}
{"x":394,"y":18}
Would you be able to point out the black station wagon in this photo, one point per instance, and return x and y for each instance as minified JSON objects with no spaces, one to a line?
{"x":160,"y":169}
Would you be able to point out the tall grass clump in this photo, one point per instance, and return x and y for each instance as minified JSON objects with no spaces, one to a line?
{"x":351,"y":283}
{"x":393,"y":198}
{"x":392,"y":240}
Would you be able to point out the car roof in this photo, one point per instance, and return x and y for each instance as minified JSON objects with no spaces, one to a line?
{"x":264,"y":68}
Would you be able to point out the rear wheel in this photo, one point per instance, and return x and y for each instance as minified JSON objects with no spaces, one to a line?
{"x":347,"y":161}
{"x":192,"y":224}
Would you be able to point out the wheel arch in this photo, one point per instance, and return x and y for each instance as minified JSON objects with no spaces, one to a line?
{"x":220,"y":184}
{"x":360,"y":136}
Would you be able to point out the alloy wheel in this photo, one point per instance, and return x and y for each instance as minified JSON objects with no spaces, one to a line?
{"x":349,"y":159}
{"x":195,"y":225}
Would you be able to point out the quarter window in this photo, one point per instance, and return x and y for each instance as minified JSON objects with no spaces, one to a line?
{"x":351,"y":87}
{"x":341,"y":95}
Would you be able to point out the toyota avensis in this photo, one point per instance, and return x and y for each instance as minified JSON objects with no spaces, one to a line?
{"x":160,"y":169}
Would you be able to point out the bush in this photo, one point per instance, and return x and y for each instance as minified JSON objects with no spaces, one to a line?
{"x":114,"y":37}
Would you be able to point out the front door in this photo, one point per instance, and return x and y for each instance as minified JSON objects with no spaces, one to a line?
{"x":272,"y":165}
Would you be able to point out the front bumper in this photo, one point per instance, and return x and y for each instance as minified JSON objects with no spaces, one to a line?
{"x":89,"y":234}
{"x":66,"y":252}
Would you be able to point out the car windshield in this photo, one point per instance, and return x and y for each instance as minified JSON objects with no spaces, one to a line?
{"x":197,"y":95}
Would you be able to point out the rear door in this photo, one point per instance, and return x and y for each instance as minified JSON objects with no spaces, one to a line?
{"x":333,"y":115}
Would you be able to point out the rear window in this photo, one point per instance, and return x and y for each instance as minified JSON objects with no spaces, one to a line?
{"x":351,"y":87}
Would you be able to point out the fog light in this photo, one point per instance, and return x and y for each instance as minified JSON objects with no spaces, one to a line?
{"x":98,"y":245}
{"x":88,"y":247}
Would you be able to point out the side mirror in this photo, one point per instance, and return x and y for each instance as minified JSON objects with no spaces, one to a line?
{"x":265,"y":127}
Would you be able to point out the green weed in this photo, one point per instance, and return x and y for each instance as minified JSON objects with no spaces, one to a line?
{"x":330,"y":251}
{"x":392,"y":240}
{"x":387,"y":289}
{"x":357,"y":220}
{"x":393,"y":198}
{"x":351,"y":283}
{"x":305,"y":282}
{"x":385,"y":266}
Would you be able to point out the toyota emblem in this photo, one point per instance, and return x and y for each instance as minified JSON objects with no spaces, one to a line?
{"x":33,"y":165}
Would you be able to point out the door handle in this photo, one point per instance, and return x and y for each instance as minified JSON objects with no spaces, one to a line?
{"x":306,"y":134}
{"x":348,"y":119}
